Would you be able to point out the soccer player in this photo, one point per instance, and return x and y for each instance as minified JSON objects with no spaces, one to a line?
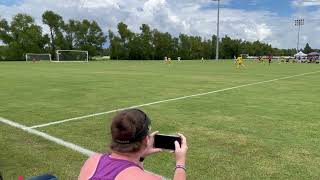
{"x":239,"y":62}
{"x":260,"y":59}
{"x":282,"y":60}
{"x":168,"y":61}
{"x":269,"y":59}
{"x":179,"y":59}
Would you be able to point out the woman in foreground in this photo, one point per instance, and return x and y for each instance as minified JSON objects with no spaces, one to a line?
{"x":130,"y":144}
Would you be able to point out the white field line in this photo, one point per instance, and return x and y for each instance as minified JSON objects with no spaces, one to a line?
{"x":69,"y":145}
{"x":168,"y":100}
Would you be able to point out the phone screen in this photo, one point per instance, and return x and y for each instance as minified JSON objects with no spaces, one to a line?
{"x":166,"y":141}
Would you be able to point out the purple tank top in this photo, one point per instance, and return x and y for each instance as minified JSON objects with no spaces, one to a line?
{"x":108,"y":168}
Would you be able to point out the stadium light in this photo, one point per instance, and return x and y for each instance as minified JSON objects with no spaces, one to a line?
{"x":299,"y":23}
{"x":218,"y":22}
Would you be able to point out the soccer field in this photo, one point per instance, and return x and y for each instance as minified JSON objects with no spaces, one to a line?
{"x":260,"y":122}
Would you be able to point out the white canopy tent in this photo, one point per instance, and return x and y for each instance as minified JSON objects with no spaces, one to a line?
{"x":300,"y":54}
{"x":301,"y":57}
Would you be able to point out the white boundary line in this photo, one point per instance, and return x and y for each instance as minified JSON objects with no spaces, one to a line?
{"x":168,"y":100}
{"x":66,"y":144}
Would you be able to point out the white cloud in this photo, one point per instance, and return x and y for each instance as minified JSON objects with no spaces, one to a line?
{"x":179,"y":16}
{"x":99,"y":4}
{"x":257,"y":31}
{"x":299,"y":3}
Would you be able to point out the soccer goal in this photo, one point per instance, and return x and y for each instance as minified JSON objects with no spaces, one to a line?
{"x":37,"y":57}
{"x":72,"y":56}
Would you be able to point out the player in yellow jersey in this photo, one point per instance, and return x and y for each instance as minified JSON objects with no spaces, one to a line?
{"x":239,"y":62}
{"x":167,"y":60}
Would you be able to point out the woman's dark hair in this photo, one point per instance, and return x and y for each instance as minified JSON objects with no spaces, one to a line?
{"x":128,"y":129}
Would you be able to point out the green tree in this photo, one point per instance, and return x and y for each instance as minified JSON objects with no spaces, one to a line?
{"x":146,"y":38}
{"x":4,"y":52}
{"x":70,"y":29}
{"x":56,"y":24}
{"x":115,"y":45}
{"x":88,"y":36}
{"x":163,"y":45}
{"x":4,"y":31}
{"x":206,"y":48}
{"x":195,"y":47}
{"x":307,"y":49}
{"x":175,"y":47}
{"x":22,"y":36}
{"x":184,"y":47}
{"x":136,"y":48}
{"x":230,"y":47}
{"x":153,"y":44}
{"x":125,"y":37}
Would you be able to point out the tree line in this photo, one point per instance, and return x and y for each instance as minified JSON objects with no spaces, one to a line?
{"x":22,"y":35}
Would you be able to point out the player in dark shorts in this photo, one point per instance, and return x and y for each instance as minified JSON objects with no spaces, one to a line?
{"x":270,"y":59}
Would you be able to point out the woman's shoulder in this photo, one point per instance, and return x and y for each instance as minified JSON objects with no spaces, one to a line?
{"x":135,"y":173}
{"x":89,"y":167}
{"x":93,"y":160}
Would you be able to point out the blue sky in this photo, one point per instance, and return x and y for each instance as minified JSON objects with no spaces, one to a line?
{"x":281,"y":7}
{"x":270,"y":21}
{"x":9,"y":2}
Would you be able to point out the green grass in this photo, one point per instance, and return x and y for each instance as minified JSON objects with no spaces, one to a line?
{"x":264,"y":131}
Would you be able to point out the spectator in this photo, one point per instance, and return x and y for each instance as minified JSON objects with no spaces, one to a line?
{"x":130,"y":144}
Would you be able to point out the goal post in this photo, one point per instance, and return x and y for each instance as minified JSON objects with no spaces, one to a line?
{"x":72,"y":56}
{"x":37,"y":57}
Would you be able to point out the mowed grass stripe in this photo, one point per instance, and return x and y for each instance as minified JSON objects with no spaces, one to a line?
{"x":167,"y":100}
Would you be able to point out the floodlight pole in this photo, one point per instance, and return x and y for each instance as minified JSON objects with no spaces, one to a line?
{"x":217,"y":49}
{"x":218,"y":22}
{"x":298,"y":38}
{"x":299,"y":23}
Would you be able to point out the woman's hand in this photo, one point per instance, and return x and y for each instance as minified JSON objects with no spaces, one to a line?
{"x":181,"y":151}
{"x":150,"y":149}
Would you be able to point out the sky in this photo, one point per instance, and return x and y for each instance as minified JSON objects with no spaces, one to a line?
{"x":270,"y":21}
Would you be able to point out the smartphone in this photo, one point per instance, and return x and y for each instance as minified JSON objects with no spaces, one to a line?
{"x":166,"y":141}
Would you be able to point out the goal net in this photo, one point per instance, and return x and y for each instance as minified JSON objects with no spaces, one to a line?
{"x":38,"y":57}
{"x":72,"y":56}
